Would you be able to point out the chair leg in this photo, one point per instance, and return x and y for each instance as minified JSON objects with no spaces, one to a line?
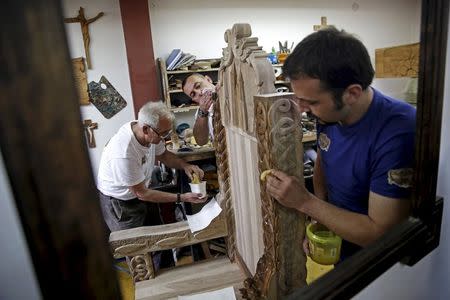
{"x":205,"y":248}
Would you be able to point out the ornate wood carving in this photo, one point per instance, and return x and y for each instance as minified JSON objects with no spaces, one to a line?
{"x":142,"y":240}
{"x":399,"y":61}
{"x":79,"y":73}
{"x":244,"y":73}
{"x":141,"y":267}
{"x":223,"y":174}
{"x":283,"y":265}
{"x":84,"y":23}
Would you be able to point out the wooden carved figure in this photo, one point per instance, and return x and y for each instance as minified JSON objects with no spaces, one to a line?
{"x":89,"y":127}
{"x":84,"y":23}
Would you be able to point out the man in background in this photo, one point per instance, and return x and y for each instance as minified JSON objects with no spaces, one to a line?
{"x":126,"y":167}
{"x":203,"y":92}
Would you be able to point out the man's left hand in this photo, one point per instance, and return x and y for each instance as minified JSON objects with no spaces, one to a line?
{"x":287,"y":190}
{"x":191,"y":169}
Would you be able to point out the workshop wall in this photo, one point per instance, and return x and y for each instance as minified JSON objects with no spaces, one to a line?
{"x":108,"y":58}
{"x":198,"y":26}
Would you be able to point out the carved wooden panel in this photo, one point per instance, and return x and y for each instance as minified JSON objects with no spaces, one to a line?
{"x":223,"y":176}
{"x":399,"y":61}
{"x":245,"y":72}
{"x":79,"y":73}
{"x":142,"y":240}
{"x":283,"y":265}
{"x":268,"y":237}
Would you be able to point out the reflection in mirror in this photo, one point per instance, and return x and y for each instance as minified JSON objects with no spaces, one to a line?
{"x":387,"y":35}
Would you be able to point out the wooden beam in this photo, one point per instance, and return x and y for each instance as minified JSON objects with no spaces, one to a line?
{"x":140,"y":57}
{"x":45,"y":156}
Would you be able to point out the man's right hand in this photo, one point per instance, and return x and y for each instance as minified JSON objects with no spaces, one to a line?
{"x":205,"y":103}
{"x":193,"y":198}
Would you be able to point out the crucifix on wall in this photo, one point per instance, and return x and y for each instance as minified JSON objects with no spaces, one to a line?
{"x":84,"y":30}
{"x":89,"y":127}
{"x":323,"y":24}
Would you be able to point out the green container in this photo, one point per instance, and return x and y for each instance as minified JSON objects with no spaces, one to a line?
{"x":324,"y":245}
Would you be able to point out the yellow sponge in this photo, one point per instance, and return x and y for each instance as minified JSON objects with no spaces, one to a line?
{"x":265,"y":173}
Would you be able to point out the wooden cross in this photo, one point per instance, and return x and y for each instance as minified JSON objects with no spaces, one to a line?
{"x":89,"y":127}
{"x":323,"y":24}
{"x":84,"y":30}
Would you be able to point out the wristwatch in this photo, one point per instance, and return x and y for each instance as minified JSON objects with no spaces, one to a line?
{"x":202,"y":113}
{"x":178,"y":198}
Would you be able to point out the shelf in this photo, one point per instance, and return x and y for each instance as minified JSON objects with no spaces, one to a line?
{"x":175,"y":91}
{"x":281,"y":82}
{"x":193,"y":71}
{"x":183,"y":109}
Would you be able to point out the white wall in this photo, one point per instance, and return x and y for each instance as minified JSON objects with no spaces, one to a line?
{"x":428,"y":279}
{"x":108,"y":58}
{"x":198,"y":26}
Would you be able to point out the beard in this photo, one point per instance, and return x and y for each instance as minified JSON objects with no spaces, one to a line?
{"x":319,"y":120}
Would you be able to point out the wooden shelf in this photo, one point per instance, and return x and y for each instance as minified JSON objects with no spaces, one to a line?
{"x":192,"y":71}
{"x":183,"y":109}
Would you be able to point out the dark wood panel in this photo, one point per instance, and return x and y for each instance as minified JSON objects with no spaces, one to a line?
{"x":46,"y":158}
{"x":430,"y":97}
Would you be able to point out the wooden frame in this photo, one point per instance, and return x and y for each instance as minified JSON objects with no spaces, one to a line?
{"x":53,"y":186}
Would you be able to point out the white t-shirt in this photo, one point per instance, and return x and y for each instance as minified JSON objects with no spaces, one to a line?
{"x":125,"y":163}
{"x":210,"y":121}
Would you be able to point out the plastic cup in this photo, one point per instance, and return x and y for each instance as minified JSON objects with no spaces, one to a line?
{"x":324,"y":245}
{"x":199,"y":188}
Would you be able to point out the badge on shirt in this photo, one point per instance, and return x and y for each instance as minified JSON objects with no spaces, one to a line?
{"x":324,"y":142}
{"x":144,"y":159}
{"x":401,"y":177}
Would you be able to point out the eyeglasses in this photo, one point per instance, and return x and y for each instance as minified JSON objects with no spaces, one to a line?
{"x":162,"y":136}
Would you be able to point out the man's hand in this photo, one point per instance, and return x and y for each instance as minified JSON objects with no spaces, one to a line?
{"x":287,"y":190}
{"x":206,"y":101}
{"x":190,"y":169}
{"x":192,"y":198}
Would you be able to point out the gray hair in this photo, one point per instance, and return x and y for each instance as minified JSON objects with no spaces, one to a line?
{"x":153,"y":111}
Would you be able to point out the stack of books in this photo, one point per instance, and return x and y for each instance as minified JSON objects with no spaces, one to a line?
{"x":178,"y":60}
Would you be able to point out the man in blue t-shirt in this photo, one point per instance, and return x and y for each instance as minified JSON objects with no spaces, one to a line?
{"x":363,"y":171}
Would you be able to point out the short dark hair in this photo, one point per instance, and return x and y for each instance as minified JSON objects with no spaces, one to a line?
{"x":183,"y":83}
{"x":335,"y":57}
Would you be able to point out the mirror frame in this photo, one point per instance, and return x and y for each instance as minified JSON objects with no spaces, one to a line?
{"x":58,"y":207}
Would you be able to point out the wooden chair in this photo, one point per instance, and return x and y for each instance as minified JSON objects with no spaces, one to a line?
{"x":255,"y":130}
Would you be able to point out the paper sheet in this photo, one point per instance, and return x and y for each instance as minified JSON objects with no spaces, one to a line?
{"x":204,"y":217}
{"x":222,"y":294}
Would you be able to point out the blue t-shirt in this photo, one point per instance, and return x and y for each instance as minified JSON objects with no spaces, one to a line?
{"x":367,"y":155}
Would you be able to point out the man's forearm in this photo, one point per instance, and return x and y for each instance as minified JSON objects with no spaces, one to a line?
{"x":201,"y":130}
{"x":156,"y":196}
